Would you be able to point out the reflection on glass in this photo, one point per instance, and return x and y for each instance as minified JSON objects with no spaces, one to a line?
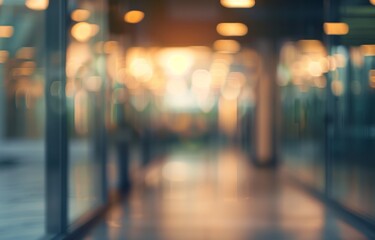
{"x":22,"y":122}
{"x":302,"y":81}
{"x":328,"y":110}
{"x":85,"y":81}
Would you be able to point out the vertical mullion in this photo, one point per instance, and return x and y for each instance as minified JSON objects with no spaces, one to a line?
{"x":56,"y":129}
{"x":102,"y":126}
{"x":331,"y":15}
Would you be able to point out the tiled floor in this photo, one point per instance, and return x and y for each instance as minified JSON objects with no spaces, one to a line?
{"x":194,"y":194}
{"x":22,"y":193}
{"x":22,"y":210}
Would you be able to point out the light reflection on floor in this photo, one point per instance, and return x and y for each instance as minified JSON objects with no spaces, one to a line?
{"x":200,"y":195}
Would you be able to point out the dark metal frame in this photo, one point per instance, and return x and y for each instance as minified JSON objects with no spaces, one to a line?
{"x":56,"y":129}
{"x":57,"y":139}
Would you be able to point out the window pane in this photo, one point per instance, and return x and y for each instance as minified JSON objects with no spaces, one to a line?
{"x":84,"y":90}
{"x":22,"y":119}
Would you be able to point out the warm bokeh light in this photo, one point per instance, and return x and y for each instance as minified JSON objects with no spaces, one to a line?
{"x":6,"y":31}
{"x":372,"y":78}
{"x":201,"y":80}
{"x":37,"y":5}
{"x":93,"y":83}
{"x":238,"y":3}
{"x":25,"y":53}
{"x":356,"y":56}
{"x":337,"y":88}
{"x":83,"y":31}
{"x":311,"y":46}
{"x":336,"y":28}
{"x":232,"y":29}
{"x":141,"y":69}
{"x":227,"y":46}
{"x":372,"y":2}
{"x":176,"y":171}
{"x":3,"y":56}
{"x":320,"y":82}
{"x":177,"y":61}
{"x":110,"y":46}
{"x":228,"y":115}
{"x":81,"y":120}
{"x":80,"y":15}
{"x":368,"y":50}
{"x":134,"y":16}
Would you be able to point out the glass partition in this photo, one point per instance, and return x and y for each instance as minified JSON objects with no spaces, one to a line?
{"x":303,"y":85}
{"x":36,"y":104}
{"x":352,"y":137}
{"x":85,"y":94}
{"x":22,"y":119}
{"x":328,"y":107}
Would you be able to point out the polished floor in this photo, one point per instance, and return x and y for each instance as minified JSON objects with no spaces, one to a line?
{"x":202,"y":194}
{"x":22,"y":189}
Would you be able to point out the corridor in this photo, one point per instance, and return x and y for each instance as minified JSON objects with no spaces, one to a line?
{"x":187,"y":119}
{"x":200,"y":193}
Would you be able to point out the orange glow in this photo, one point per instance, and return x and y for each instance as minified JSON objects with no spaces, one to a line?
{"x":238,"y":3}
{"x":110,"y":46}
{"x":6,"y":31}
{"x":3,"y":56}
{"x":80,"y":15}
{"x":372,"y":78}
{"x":94,"y":29}
{"x":337,"y":88}
{"x":336,"y":28}
{"x":227,"y":46}
{"x":177,"y":87}
{"x":80,"y":112}
{"x":201,"y":79}
{"x":134,"y":16}
{"x":315,"y":69}
{"x":228,"y":116}
{"x":93,"y":83}
{"x":372,"y":2}
{"x":83,"y":31}
{"x":177,"y":61}
{"x":368,"y":50}
{"x":320,"y":82}
{"x":178,"y":64}
{"x":312,"y":46}
{"x":28,"y":64}
{"x":356,"y":55}
{"x":25,"y":53}
{"x":37,"y":5}
{"x":340,"y":60}
{"x":232,"y":29}
{"x":230,"y":92}
{"x":176,"y":171}
{"x":141,"y":69}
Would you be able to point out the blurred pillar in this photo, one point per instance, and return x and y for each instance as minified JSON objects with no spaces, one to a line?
{"x":265,"y":124}
{"x":331,"y":14}
{"x":123,"y":150}
{"x":146,"y":137}
{"x":2,"y":104}
{"x":56,"y":119}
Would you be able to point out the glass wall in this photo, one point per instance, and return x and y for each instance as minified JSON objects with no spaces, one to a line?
{"x":52,"y":115}
{"x":22,"y":119}
{"x":328,"y":107}
{"x":85,"y":91}
{"x":352,"y":138}
{"x":302,"y":82}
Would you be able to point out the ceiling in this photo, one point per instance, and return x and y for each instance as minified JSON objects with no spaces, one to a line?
{"x":193,"y":22}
